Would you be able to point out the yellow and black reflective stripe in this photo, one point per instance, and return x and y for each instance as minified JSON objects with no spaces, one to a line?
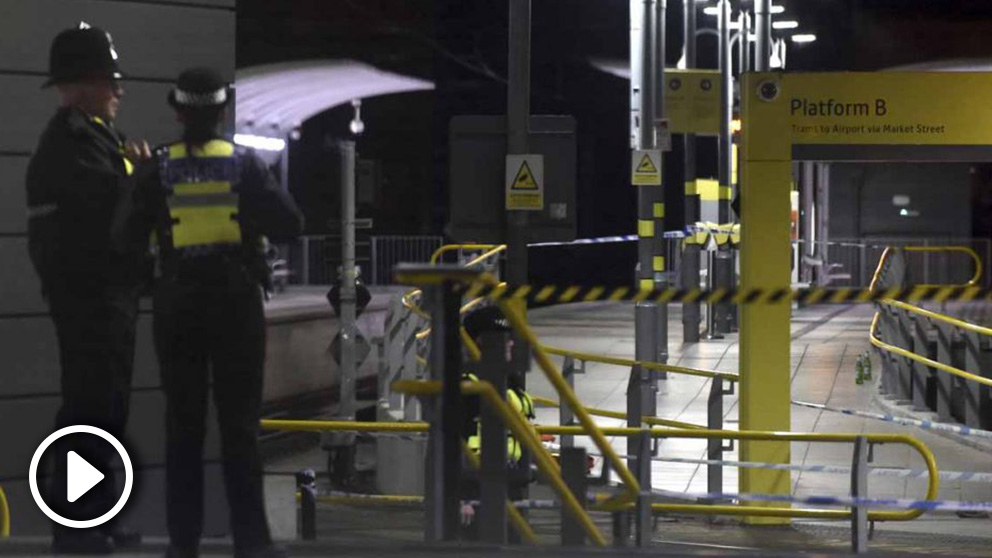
{"x":556,"y":294}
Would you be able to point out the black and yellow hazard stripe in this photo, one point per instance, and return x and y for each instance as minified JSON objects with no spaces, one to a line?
{"x":557,"y":294}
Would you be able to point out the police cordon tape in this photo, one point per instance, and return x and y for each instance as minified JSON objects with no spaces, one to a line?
{"x":926,"y":424}
{"x":957,"y":476}
{"x":557,"y":294}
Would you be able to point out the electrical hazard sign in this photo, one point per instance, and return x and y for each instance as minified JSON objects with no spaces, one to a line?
{"x":645,"y":167}
{"x":525,"y":182}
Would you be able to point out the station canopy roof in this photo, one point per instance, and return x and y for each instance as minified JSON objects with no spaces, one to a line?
{"x":274,"y":99}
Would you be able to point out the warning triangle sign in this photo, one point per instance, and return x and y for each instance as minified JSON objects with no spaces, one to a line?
{"x":525,"y":179}
{"x":646,"y":165}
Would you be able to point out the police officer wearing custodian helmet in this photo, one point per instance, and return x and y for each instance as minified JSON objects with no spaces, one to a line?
{"x":78,"y":174}
{"x":209,"y":203}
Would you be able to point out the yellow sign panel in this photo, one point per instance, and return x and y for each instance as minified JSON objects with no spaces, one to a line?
{"x":525,"y":182}
{"x":885,"y":108}
{"x":692,"y":101}
{"x":645,"y":167}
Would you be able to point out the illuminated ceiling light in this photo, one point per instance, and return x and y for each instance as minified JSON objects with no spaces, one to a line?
{"x":712,"y":10}
{"x":778,"y":9}
{"x":785,"y":24}
{"x":803,"y":38}
{"x":262,"y":143}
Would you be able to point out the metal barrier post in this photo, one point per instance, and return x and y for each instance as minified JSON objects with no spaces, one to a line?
{"x":921,"y":372}
{"x":621,"y":528}
{"x":642,"y":401}
{"x":493,"y":474}
{"x":573,"y":471}
{"x":977,"y":361}
{"x":859,"y":489}
{"x":714,"y":421}
{"x":644,"y":519}
{"x":904,"y":366}
{"x":711,"y":327}
{"x":565,"y":415}
{"x":945,"y":350}
{"x":306,"y":484}
{"x":444,"y":445}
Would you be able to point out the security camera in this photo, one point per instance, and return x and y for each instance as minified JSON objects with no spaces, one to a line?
{"x":768,"y":91}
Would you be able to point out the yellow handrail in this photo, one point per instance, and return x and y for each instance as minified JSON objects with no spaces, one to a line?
{"x":436,"y":256}
{"x":431,"y":388}
{"x":4,"y":515}
{"x":622,"y":416}
{"x":568,"y":397}
{"x":525,"y":435}
{"x":873,"y":330}
{"x":922,"y":359}
{"x":928,"y":457}
{"x":589,"y":357}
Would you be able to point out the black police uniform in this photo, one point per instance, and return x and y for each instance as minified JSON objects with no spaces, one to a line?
{"x":76,"y":178}
{"x":208,"y":206}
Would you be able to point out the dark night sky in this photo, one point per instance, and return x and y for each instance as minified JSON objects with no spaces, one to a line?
{"x":461,"y":46}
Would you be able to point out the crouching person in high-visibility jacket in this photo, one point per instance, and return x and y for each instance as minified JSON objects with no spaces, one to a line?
{"x":481,"y":321}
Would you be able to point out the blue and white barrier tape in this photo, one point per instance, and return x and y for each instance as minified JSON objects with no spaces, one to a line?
{"x":957,"y":476}
{"x":581,"y":241}
{"x":927,"y":424}
{"x":847,"y":501}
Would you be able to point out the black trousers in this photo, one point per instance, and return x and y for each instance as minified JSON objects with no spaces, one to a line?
{"x":204,"y":334}
{"x":95,"y":331}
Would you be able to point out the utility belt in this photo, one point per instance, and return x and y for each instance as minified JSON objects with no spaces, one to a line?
{"x":229,"y":269}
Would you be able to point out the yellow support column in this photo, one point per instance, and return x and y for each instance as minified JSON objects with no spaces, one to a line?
{"x":764,"y":338}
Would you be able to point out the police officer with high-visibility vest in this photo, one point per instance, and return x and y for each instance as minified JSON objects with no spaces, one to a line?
{"x":477,"y":322}
{"x":77,"y":176}
{"x":208,"y":203}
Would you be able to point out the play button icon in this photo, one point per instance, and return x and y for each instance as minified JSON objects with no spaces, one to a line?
{"x":81,"y":477}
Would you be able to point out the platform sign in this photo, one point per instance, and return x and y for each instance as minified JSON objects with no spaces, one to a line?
{"x":885,"y":108}
{"x":525,"y":182}
{"x":692,"y":101}
{"x":645,"y":167}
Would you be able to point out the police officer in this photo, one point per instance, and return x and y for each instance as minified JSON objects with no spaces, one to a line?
{"x":209,"y":203}
{"x":476,"y":323}
{"x":78,"y":174}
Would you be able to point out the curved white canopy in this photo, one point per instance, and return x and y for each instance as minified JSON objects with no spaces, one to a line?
{"x":274,"y":99}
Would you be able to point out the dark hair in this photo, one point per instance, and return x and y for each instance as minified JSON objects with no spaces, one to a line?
{"x":201,"y":124}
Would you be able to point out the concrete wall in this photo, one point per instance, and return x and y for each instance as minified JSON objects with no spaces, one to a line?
{"x":156,"y":39}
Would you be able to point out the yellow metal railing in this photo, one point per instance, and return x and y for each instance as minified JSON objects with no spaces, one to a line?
{"x":589,"y":357}
{"x":4,"y":515}
{"x":525,"y":435}
{"x":935,"y":316}
{"x":709,"y":509}
{"x":493,"y":250}
{"x":654,"y":421}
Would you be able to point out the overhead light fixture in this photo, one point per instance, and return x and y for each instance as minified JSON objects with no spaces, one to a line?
{"x":778,"y":9}
{"x":785,"y":24}
{"x":803,"y":38}
{"x":712,"y":10}
{"x":262,"y":143}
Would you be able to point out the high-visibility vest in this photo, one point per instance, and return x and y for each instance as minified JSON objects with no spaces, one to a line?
{"x":522,"y":403}
{"x":201,"y":189}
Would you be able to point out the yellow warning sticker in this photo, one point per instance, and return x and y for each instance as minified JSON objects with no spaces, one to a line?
{"x":525,"y":182}
{"x":645,"y":167}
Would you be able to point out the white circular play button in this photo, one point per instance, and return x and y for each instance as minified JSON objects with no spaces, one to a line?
{"x":81,"y":477}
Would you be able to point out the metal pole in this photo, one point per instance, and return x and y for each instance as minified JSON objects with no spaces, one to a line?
{"x":691,"y":252}
{"x":714,"y":421}
{"x":642,"y":401}
{"x":348,"y":330}
{"x":445,"y":440}
{"x":659,"y":252}
{"x":573,"y":471}
{"x":763,"y":34}
{"x":724,"y":266}
{"x":859,"y":489}
{"x":493,"y":476}
{"x":518,"y":128}
{"x":808,"y":235}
